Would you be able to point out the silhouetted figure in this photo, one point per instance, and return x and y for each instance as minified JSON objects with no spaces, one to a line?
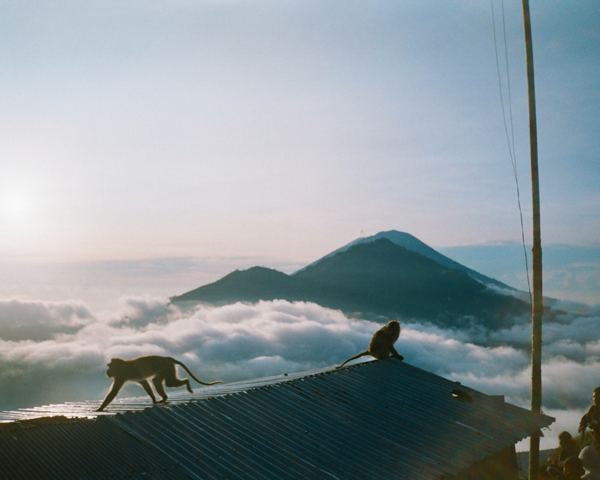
{"x":592,"y":420}
{"x":591,"y":462}
{"x":573,"y":468}
{"x":566,"y":449}
{"x":382,"y":343}
{"x":160,"y":369}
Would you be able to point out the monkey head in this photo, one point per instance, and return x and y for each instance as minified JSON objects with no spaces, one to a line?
{"x":394,"y":327}
{"x":114,"y":367}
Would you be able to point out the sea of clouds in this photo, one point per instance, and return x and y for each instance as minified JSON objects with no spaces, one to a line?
{"x":53,"y":352}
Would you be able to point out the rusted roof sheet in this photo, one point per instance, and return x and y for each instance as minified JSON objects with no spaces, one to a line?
{"x":375,"y":420}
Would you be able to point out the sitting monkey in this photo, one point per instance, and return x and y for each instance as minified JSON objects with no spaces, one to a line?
{"x":161,"y":369}
{"x":382,"y":343}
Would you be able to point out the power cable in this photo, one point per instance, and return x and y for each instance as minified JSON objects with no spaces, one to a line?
{"x":511,"y":144}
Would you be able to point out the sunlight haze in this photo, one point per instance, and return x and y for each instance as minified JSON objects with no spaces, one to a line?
{"x":149,"y":148}
{"x":136,"y":130}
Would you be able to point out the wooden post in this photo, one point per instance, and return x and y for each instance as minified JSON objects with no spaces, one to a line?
{"x":537,"y":307}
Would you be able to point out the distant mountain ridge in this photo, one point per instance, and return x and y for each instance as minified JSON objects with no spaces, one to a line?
{"x":413,"y":244}
{"x":378,"y":277}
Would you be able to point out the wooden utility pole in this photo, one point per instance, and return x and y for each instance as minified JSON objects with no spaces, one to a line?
{"x":537,"y":306}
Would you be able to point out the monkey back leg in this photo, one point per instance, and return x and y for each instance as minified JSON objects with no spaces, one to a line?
{"x":158,"y":384}
{"x":172,"y":381}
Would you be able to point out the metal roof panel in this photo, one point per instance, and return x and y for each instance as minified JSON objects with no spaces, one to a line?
{"x":375,"y":420}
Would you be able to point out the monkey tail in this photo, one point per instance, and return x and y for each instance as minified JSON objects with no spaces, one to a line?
{"x":363,"y":354}
{"x":192,"y":375}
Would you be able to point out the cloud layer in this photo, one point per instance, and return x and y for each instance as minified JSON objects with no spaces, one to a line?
{"x":57,"y":351}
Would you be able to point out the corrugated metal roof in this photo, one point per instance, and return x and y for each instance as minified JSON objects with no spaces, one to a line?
{"x":375,"y":420}
{"x":64,"y":449}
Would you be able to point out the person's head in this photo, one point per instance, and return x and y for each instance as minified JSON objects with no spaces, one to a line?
{"x":596,"y":396}
{"x":573,"y":468}
{"x":590,"y":459}
{"x":564,"y":439}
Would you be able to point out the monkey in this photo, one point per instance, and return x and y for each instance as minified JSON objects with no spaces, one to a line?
{"x":161,"y":369}
{"x":382,"y":343}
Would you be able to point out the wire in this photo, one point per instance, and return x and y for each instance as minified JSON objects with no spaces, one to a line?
{"x":510,"y":139}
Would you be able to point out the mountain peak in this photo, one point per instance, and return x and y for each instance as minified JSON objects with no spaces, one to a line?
{"x":373,"y":277}
{"x":412,"y":243}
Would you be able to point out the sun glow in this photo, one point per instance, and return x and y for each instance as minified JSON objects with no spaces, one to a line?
{"x":17,"y":205}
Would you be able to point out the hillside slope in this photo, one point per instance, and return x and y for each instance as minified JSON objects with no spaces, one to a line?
{"x":379,"y":278}
{"x":413,"y":244}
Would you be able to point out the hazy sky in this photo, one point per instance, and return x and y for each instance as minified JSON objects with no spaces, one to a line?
{"x":153,"y":146}
{"x":285,"y":129}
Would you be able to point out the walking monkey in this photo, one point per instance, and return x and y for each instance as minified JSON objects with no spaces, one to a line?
{"x":161,"y":369}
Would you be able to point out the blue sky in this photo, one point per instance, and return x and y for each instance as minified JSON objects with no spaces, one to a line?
{"x":276,"y":132}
